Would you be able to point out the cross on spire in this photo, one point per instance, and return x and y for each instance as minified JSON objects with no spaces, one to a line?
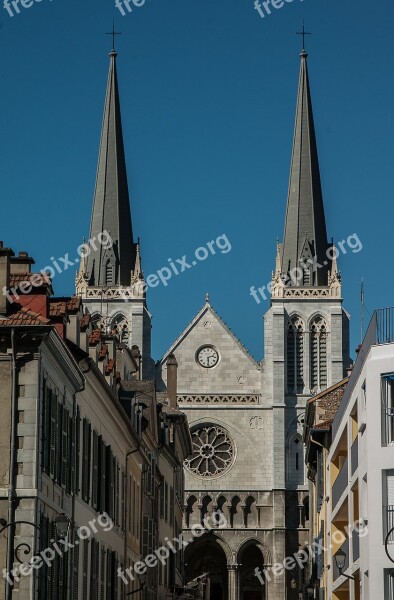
{"x":113,"y":33}
{"x":303,"y":33}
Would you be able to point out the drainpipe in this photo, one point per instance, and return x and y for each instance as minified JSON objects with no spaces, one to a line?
{"x":12,"y":478}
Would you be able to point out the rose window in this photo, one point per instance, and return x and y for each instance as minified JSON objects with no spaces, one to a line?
{"x":213,"y":451}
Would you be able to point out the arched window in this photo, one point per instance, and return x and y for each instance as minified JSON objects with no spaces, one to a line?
{"x":318,"y":353}
{"x":295,"y":355}
{"x":109,"y":273}
{"x":121,"y":326}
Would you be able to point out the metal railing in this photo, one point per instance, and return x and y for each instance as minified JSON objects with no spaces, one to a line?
{"x":389,"y":523}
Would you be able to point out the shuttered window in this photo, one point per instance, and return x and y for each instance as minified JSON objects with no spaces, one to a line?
{"x":53,"y":434}
{"x":75,"y":567}
{"x":109,"y":503}
{"x":162,"y":500}
{"x":65,"y":447}
{"x":86,"y":451}
{"x":77,"y":450}
{"x":102,"y":573}
{"x":95,"y":461}
{"x":172,"y":500}
{"x":94,"y":570}
{"x":166,"y":501}
{"x":102,"y":474}
{"x":145,"y":536}
{"x":85,"y":569}
{"x":319,"y":480}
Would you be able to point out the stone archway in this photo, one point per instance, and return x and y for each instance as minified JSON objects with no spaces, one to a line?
{"x":250,"y":588}
{"x":207,"y":555}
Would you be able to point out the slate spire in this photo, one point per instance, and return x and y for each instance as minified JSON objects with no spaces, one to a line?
{"x":305,"y":236}
{"x":108,"y":267}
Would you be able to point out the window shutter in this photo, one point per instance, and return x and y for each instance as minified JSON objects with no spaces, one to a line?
{"x":85,"y":568}
{"x":53,"y":434}
{"x":59,"y":436}
{"x":77,"y":450}
{"x":102,"y":574}
{"x":117,"y":493}
{"x":75,"y":567}
{"x":95,"y":471}
{"x":109,"y":576}
{"x":150,"y":536}
{"x":71,"y":456}
{"x":65,"y":448}
{"x":171,"y":505}
{"x":122,"y":500}
{"x":109,"y":482}
{"x":162,"y":500}
{"x":86,"y":460}
{"x":145,"y":536}
{"x":102,"y":474}
{"x":94,"y":569}
{"x":115,"y":563}
{"x":166,"y":501}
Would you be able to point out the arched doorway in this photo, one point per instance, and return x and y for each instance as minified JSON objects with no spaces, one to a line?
{"x":250,"y":587}
{"x":207,"y":556}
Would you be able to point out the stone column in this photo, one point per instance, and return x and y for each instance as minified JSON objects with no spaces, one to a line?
{"x":232,"y":582}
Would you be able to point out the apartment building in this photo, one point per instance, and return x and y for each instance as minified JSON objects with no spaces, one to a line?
{"x":360,"y":473}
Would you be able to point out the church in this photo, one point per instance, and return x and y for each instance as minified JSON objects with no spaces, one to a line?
{"x":245,"y":417}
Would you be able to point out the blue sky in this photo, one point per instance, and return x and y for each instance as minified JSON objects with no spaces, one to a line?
{"x":208,"y":93}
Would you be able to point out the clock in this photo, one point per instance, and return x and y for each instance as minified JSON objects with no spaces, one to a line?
{"x":207,"y":357}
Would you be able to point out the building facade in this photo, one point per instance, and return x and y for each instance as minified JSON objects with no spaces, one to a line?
{"x":247,"y":418}
{"x":360,"y":474}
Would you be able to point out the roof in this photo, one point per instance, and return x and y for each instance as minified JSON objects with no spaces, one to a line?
{"x":111,"y":204}
{"x":328,"y":390}
{"x":17,"y":278}
{"x":305,"y":233}
{"x":24,"y":317}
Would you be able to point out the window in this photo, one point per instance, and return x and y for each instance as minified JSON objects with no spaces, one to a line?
{"x":86,"y":455}
{"x":109,"y":272}
{"x":389,"y":584}
{"x":295,"y":356}
{"x":121,"y":326}
{"x":388,"y":516}
{"x":318,"y":353}
{"x":387,"y":403}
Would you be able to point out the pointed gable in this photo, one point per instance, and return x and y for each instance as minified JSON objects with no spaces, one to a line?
{"x":236,"y":372}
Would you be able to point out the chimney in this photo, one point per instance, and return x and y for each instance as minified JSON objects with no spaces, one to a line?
{"x":172,"y":380}
{"x":5,"y":260}
{"x":21,"y":263}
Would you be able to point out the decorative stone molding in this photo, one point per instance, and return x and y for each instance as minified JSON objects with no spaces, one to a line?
{"x":218,"y":399}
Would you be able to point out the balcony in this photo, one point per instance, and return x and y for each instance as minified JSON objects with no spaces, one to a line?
{"x":354,"y":456}
{"x":340,"y":484}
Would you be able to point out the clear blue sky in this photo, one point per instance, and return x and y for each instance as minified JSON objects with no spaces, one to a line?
{"x":208,"y":93}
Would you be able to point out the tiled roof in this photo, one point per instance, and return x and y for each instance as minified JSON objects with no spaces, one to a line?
{"x":324,"y":424}
{"x":57,"y":309}
{"x":94,"y":337}
{"x":85,"y":321}
{"x":24,"y":317}
{"x":17,"y":278}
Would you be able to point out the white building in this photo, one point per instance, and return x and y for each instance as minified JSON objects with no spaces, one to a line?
{"x":361,"y":472}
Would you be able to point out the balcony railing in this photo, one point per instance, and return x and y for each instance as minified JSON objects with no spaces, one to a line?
{"x":335,"y":570}
{"x":340,"y":483}
{"x":354,"y":455}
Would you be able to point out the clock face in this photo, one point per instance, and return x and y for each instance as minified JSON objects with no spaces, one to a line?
{"x":207,"y":357}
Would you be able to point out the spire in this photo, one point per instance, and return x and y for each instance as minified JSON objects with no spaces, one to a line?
{"x":305,"y":237}
{"x":107,"y":267}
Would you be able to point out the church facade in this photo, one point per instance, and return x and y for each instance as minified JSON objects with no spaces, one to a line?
{"x":246,"y":418}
